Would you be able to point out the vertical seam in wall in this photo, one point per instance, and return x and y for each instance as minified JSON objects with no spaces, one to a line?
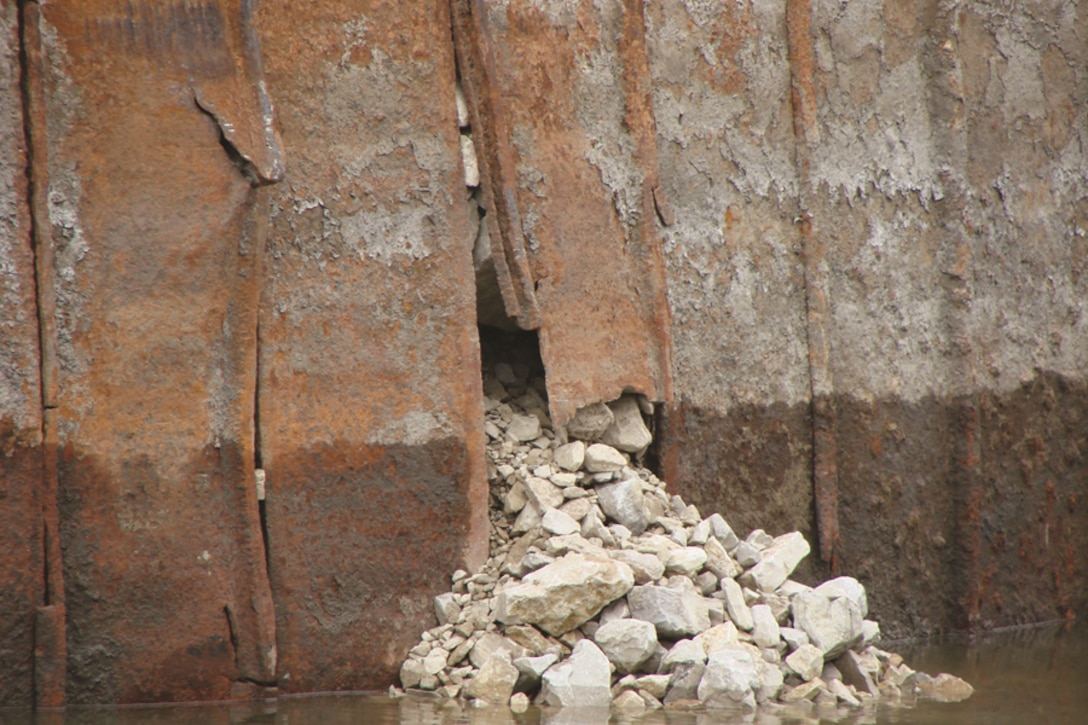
{"x":816,"y":287}
{"x":50,"y":646}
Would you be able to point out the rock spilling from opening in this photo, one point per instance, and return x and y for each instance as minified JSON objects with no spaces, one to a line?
{"x":602,"y":590}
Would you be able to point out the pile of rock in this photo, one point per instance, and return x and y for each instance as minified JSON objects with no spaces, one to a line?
{"x":603,"y":591}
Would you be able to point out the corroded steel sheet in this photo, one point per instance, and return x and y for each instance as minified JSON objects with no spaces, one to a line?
{"x":370,"y":393}
{"x":22,"y":584}
{"x":158,"y":132}
{"x":572,"y":80}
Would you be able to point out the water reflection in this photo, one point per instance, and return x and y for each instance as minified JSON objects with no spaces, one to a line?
{"x":1037,"y":676}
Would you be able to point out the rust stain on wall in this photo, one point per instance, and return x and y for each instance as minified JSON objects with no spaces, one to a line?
{"x":572,"y":81}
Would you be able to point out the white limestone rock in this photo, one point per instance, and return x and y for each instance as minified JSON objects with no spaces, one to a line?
{"x":832,"y":625}
{"x":846,"y":586}
{"x":490,"y":644}
{"x":688,"y":561}
{"x":411,"y":672}
{"x":543,"y":493}
{"x":446,"y":608}
{"x":747,"y":554}
{"x":647,"y":567}
{"x":523,"y":428}
{"x":626,"y":642}
{"x":564,"y":594}
{"x":683,"y":652}
{"x":732,"y":674}
{"x":556,"y":522}
{"x":718,"y":636}
{"x":601,"y":458}
{"x":765,"y":629}
{"x":590,"y":422}
{"x":721,"y":531}
{"x":628,"y":431}
{"x":495,"y":681}
{"x":719,"y":561}
{"x":777,"y":562}
{"x":531,"y":669}
{"x":807,"y":661}
{"x":943,"y":688}
{"x":736,"y":606}
{"x":675,"y":613}
{"x":570,"y":456}
{"x":623,"y":503}
{"x":583,"y":680}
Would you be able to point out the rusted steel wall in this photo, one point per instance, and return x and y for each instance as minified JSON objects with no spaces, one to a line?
{"x":237,"y":236}
{"x":156,"y":236}
{"x":937,"y":183}
{"x":22,"y":582}
{"x":369,"y":371}
{"x":572,"y":83}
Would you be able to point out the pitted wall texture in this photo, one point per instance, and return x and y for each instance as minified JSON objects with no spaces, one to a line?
{"x":938,"y":185}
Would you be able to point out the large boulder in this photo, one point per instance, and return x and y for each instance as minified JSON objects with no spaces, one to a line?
{"x":626,"y":642}
{"x":583,"y":680}
{"x":623,"y":502}
{"x":832,"y":625}
{"x":776,"y":562}
{"x":676,"y":613}
{"x":564,"y":594}
{"x":846,"y":586}
{"x":628,"y":431}
{"x":495,"y":681}
{"x":732,"y":674}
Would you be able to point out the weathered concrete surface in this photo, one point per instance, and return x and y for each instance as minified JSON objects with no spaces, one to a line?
{"x":573,"y":83}
{"x":21,"y":564}
{"x":156,"y":249}
{"x":370,"y":394}
{"x":940,"y":164}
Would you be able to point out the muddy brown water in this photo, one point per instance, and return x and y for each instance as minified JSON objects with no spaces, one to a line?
{"x":1037,"y":676}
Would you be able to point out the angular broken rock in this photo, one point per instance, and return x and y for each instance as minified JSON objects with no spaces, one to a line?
{"x":807,"y":661}
{"x":683,"y":652}
{"x":832,"y":625}
{"x":623,"y":503}
{"x":628,"y":431}
{"x":732,"y":673}
{"x":495,"y":681}
{"x":583,"y":680}
{"x":543,"y":493}
{"x":846,"y":586}
{"x":590,"y":422}
{"x":647,"y":567}
{"x":721,"y":531}
{"x":556,"y":522}
{"x":524,"y":428}
{"x":411,"y":672}
{"x":777,"y":562}
{"x":626,"y":642}
{"x":601,"y":458}
{"x":564,"y":594}
{"x":684,"y":684}
{"x":531,"y":669}
{"x":570,"y":456}
{"x":736,"y":606}
{"x":687,"y":561}
{"x":675,"y":613}
{"x":765,"y":629}
{"x":719,"y":561}
{"x":446,"y":608}
{"x":491,"y":644}
{"x":943,"y":688}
